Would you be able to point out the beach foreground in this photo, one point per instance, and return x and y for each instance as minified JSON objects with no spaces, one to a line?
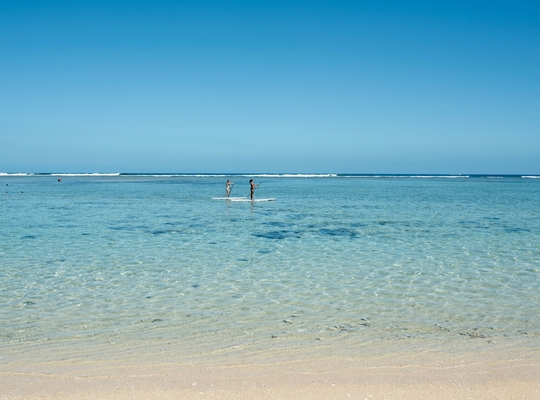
{"x":467,"y":376}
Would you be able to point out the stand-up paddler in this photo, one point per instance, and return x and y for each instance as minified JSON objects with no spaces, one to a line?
{"x":252,"y":185}
{"x":228,"y":188}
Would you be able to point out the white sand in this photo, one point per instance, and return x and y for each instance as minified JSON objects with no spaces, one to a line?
{"x":413,"y":376}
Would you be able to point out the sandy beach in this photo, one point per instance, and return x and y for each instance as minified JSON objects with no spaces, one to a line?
{"x":512,"y":380}
{"x":477,"y":374}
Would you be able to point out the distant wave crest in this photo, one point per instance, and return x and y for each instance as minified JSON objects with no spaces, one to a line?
{"x":58,"y":174}
{"x":290,"y":175}
{"x":86,"y":174}
{"x":241,"y":175}
{"x":406,"y":176}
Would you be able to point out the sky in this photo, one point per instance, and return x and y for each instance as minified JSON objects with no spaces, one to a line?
{"x":430,"y":87}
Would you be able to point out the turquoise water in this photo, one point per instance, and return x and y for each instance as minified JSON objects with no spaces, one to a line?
{"x":152,"y":261}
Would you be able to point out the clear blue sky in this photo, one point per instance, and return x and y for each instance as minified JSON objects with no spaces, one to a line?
{"x":270,"y":86}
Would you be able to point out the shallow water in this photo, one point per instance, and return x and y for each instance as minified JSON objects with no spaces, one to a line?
{"x":143,"y":262}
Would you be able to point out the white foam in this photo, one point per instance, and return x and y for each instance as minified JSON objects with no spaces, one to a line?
{"x":290,"y":175}
{"x":407,"y":176}
{"x":87,"y":174}
{"x":240,"y":175}
{"x":531,"y":176}
{"x":59,"y":174}
{"x":152,"y":175}
{"x":195,"y":175}
{"x":439,"y":176}
{"x":180,"y":175}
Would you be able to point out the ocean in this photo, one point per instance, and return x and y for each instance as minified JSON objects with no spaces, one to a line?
{"x":123,"y":266}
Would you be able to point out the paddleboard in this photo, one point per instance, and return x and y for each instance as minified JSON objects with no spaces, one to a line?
{"x":229,"y":198}
{"x":255,"y":201}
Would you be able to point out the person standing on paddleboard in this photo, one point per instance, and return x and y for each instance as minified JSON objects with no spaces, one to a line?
{"x":228,"y":187}
{"x":252,"y":186}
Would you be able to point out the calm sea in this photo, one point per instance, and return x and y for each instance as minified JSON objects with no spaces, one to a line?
{"x":127,"y":264}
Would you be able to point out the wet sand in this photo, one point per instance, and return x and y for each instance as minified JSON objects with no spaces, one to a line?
{"x":419,"y":376}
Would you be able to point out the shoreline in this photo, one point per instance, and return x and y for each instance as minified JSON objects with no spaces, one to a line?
{"x":514,"y":380}
{"x":419,"y":375}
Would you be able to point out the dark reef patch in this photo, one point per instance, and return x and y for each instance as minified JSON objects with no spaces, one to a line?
{"x":297,"y":216}
{"x":278,"y":224}
{"x":163,"y":231}
{"x":174,"y":223}
{"x":122,"y":228}
{"x":358,"y":224}
{"x":278,"y":235}
{"x":264,"y":251}
{"x":339,"y":232}
{"x":517,"y":230}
